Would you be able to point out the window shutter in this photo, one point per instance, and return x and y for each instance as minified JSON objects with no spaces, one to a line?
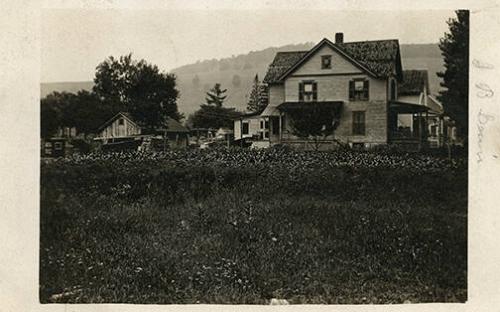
{"x":351,"y":90}
{"x":366,"y":91}
{"x":301,"y":91}
{"x":315,"y":91}
{"x":362,"y":123}
{"x":354,"y":123}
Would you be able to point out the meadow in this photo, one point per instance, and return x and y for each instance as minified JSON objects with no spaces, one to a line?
{"x":244,"y":226}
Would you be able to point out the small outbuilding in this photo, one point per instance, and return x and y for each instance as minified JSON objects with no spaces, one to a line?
{"x":121,"y":132}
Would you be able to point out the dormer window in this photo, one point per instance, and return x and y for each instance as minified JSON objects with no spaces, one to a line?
{"x":326,"y":62}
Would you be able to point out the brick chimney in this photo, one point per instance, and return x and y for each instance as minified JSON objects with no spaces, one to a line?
{"x":339,"y":37}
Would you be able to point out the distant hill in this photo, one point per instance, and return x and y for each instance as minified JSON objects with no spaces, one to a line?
{"x":236,"y":73}
{"x":424,"y":56}
{"x":73,"y":87}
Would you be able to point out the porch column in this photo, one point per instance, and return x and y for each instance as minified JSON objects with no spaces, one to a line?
{"x":241,"y":132}
{"x":280,"y":128}
{"x":269,"y":127}
{"x":440,"y":133}
{"x":426,"y":133}
{"x":420,"y":130}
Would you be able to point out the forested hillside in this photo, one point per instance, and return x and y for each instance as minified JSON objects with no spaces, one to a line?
{"x":236,"y":73}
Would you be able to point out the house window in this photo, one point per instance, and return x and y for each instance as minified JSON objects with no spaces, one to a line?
{"x":434,"y":130}
{"x":244,"y":129}
{"x":121,"y":121}
{"x":308,"y":91}
{"x":358,"y":90}
{"x":58,"y":146}
{"x":326,"y":62}
{"x":358,"y":123}
{"x":266,"y":124}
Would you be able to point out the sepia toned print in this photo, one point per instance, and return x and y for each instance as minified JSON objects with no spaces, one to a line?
{"x":328,"y":171}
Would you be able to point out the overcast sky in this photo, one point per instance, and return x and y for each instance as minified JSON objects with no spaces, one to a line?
{"x":75,"y":41}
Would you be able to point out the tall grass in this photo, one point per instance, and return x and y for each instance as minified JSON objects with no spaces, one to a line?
{"x":154,"y":231}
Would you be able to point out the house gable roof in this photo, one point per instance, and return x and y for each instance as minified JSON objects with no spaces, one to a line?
{"x":115,"y":117}
{"x":414,"y":82}
{"x":172,"y":124}
{"x":281,"y":63}
{"x":247,"y":115}
{"x":379,"y":58}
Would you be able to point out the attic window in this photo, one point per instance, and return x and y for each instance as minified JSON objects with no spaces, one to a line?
{"x":121,"y":121}
{"x":326,"y":62}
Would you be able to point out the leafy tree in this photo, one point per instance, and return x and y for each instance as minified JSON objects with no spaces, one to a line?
{"x":314,"y":121}
{"x":50,"y":120}
{"x":86,"y":113}
{"x":139,"y":88}
{"x":55,"y":112}
{"x":209,"y":116}
{"x":455,"y":50}
{"x":83,"y":111}
{"x":215,"y":96}
{"x":212,"y":114}
{"x":258,"y":96}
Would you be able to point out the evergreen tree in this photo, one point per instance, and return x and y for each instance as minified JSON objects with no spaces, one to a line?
{"x":215,"y":96}
{"x":212,"y":114}
{"x":455,"y":50}
{"x":258,"y":96}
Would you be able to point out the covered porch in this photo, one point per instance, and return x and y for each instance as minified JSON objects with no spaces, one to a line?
{"x":276,"y":125}
{"x":408,"y":123}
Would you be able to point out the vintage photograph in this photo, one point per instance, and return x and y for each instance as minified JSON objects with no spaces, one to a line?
{"x":253,"y":157}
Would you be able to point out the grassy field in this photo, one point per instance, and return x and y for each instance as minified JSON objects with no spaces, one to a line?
{"x":234,"y":226}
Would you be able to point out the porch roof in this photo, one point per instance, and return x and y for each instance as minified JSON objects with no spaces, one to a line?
{"x":407,"y":108}
{"x":300,"y":105}
{"x":271,"y":110}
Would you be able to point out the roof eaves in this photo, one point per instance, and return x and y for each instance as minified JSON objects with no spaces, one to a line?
{"x":110,"y":120}
{"x":315,"y":48}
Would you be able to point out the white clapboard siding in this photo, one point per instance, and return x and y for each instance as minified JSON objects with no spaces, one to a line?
{"x":120,"y":127}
